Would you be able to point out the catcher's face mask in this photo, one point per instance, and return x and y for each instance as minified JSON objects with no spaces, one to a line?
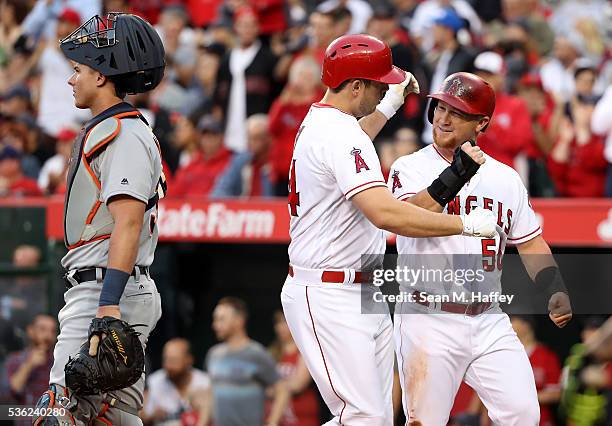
{"x":97,"y":31}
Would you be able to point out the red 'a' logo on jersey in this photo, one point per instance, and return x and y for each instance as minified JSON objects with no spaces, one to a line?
{"x":359,"y":161}
{"x":396,"y":181}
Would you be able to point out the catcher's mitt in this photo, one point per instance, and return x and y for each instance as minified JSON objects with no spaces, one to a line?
{"x":118,"y":363}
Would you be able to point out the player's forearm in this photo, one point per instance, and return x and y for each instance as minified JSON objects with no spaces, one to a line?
{"x":281,"y":399}
{"x":387,"y":213}
{"x":127,"y":213}
{"x":372,"y":124}
{"x":412,"y":221}
{"x":536,"y":255}
{"x":424,"y":201}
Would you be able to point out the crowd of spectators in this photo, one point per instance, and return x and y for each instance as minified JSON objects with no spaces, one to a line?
{"x":242,"y":74}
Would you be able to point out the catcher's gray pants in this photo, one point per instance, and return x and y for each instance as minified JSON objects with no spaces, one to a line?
{"x":140,"y":304}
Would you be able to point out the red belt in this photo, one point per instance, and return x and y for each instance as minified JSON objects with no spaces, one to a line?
{"x":338,"y":277}
{"x":455,"y":308}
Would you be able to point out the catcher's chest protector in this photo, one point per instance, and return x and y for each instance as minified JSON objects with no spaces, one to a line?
{"x":86,"y":217}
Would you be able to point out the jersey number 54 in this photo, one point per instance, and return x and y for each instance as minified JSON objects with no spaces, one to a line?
{"x":294,"y":195}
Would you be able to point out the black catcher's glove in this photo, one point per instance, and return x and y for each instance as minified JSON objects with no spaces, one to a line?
{"x":118,"y":362}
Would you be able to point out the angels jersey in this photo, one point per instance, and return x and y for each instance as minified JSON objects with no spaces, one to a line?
{"x":460,"y":347}
{"x":333,"y":160}
{"x":495,"y":186}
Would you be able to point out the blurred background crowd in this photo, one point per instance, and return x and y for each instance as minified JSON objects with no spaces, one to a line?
{"x":240,"y":77}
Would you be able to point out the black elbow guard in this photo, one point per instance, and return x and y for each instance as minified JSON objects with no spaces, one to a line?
{"x":446,"y":187}
{"x":550,"y":281}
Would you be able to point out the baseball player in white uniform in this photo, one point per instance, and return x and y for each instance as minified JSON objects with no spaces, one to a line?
{"x":337,"y":203}
{"x":442,"y":341}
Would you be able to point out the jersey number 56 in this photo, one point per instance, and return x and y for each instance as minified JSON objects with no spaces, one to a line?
{"x":491,"y":257}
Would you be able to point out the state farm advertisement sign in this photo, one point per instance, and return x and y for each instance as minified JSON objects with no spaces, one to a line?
{"x":222,"y":221}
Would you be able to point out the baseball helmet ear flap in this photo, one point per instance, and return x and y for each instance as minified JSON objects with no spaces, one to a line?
{"x":119,"y":45}
{"x":139,"y":81}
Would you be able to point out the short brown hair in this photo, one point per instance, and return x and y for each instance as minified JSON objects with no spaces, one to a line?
{"x":346,"y":82}
{"x":237,"y":304}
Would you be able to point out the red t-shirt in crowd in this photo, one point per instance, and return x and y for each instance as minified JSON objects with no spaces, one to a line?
{"x":584,"y":175}
{"x":198,"y":178}
{"x":533,"y":150}
{"x":25,"y":187}
{"x":547,"y":371}
{"x":303,"y":409}
{"x":202,"y":12}
{"x":510,"y":130}
{"x":256,"y":171}
{"x":285,"y":120}
{"x":271,"y":15}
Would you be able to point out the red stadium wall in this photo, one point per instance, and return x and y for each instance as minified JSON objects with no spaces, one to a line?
{"x":565,"y":222}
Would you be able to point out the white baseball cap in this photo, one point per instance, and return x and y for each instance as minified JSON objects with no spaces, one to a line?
{"x":491,"y":62}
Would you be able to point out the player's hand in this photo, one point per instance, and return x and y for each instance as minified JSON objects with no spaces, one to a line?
{"x":411,"y":84}
{"x":480,"y":223}
{"x":474,"y":152}
{"x":560,"y":309}
{"x":394,"y":98}
{"x":103,"y":311}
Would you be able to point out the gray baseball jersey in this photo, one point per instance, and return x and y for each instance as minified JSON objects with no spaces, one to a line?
{"x":129,"y":165}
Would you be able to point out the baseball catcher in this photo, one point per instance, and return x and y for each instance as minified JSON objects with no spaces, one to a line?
{"x":114,"y":183}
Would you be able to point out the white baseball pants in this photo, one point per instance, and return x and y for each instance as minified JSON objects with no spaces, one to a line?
{"x":348,"y":354}
{"x":436,"y":351}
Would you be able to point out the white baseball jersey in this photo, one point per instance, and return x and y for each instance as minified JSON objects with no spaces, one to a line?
{"x":495,"y":186}
{"x":457,"y":347}
{"x":333,"y":160}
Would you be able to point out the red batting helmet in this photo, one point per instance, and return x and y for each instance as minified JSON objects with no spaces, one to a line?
{"x":359,"y":56}
{"x":466,"y":92}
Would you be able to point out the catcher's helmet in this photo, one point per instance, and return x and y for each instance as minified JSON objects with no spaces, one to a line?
{"x":466,"y":92}
{"x":121,"y":46}
{"x":359,"y":56}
